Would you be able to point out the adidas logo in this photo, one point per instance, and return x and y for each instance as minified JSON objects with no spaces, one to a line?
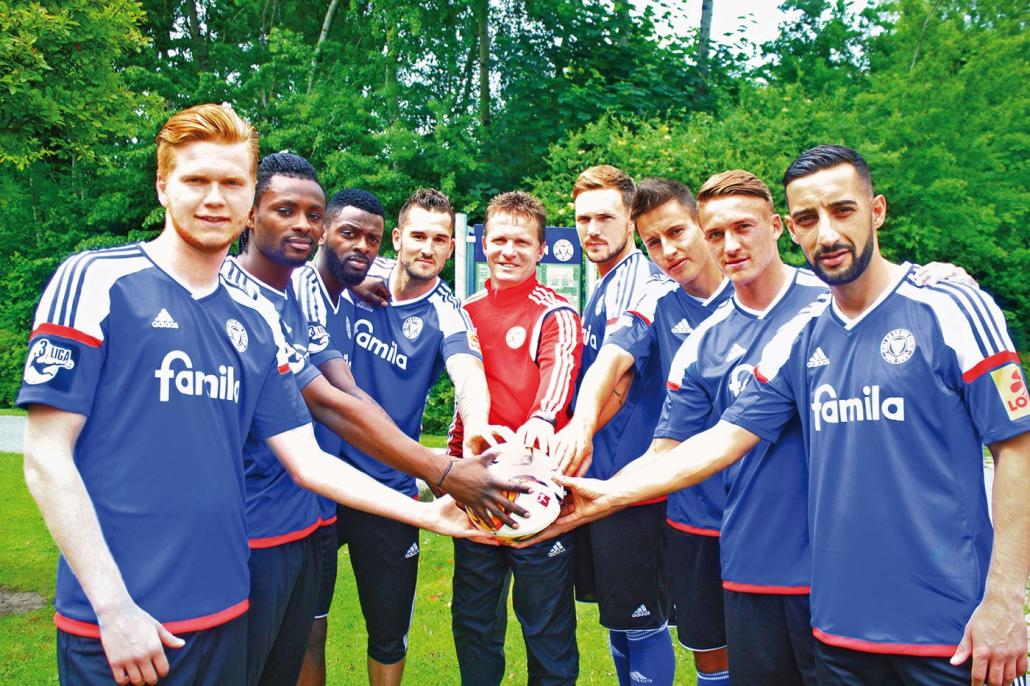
{"x":412,"y":551}
{"x":683,"y":327}
{"x":736,"y":351}
{"x":641,"y":611}
{"x":818,"y":359}
{"x":639,"y":678}
{"x":556,"y":550}
{"x":163,"y":320}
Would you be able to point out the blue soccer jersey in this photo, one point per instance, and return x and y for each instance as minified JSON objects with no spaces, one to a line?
{"x":628,"y":434}
{"x":656,"y":326}
{"x":171,"y":383}
{"x":895,"y":406}
{"x":399,"y":351}
{"x":278,"y":510}
{"x":760,"y":502}
{"x":330,"y":326}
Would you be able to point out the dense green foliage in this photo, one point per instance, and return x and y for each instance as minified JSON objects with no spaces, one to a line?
{"x":388,"y":95}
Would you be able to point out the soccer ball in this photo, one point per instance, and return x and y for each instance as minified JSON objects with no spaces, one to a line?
{"x":534,"y":468}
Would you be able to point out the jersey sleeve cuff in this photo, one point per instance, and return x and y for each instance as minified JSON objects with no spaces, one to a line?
{"x":755,"y":428}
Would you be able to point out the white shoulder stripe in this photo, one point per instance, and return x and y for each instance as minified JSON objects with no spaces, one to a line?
{"x":564,"y":354}
{"x":690,"y":347}
{"x":268,"y":313}
{"x":777,"y":351}
{"x":982,"y":310}
{"x":451,"y":315}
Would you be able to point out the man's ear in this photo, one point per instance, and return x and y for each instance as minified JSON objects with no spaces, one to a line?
{"x":879,"y":210}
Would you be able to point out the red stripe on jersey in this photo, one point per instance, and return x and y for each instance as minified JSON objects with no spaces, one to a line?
{"x":651,"y":501}
{"x":760,"y":376}
{"x":767,"y":590}
{"x":884,"y":648}
{"x":327,"y":522}
{"x":672,"y":386}
{"x":989,"y":363}
{"x":639,"y":316}
{"x":611,"y":321}
{"x":273,"y":541}
{"x":696,"y":530}
{"x":65,"y":332}
{"x":284,"y":368}
{"x":182,"y":626}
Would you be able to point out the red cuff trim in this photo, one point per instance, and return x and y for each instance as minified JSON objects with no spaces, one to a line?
{"x":651,"y":501}
{"x":327,"y":522}
{"x":760,"y":376}
{"x":672,"y":386}
{"x":766,"y":590}
{"x":885,"y":648}
{"x":273,"y":541}
{"x":65,"y":332}
{"x":639,"y":316}
{"x":696,"y":530}
{"x":183,"y":626}
{"x":987,"y":364}
{"x":284,"y":369}
{"x":611,"y":321}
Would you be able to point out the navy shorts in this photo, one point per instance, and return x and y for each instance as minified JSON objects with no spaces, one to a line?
{"x":619,"y":567}
{"x":283,"y":593}
{"x":770,"y":639}
{"x":328,"y":556}
{"x":384,"y":555}
{"x":695,"y":583}
{"x":842,"y":666}
{"x":211,"y":657}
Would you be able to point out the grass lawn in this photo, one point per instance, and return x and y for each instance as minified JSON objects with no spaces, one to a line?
{"x":28,"y":559}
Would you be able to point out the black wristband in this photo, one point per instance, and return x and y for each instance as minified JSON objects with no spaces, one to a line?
{"x":445,"y":473}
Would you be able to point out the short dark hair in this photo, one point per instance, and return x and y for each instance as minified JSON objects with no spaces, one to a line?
{"x":734,"y":182}
{"x":605,"y":176}
{"x":428,"y":199}
{"x":518,"y":204}
{"x":278,"y":164}
{"x":655,"y":192}
{"x":826,"y":157}
{"x":353,"y":197}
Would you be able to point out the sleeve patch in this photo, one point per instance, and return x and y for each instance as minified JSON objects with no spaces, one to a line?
{"x":473,"y":341}
{"x":1011,"y":387}
{"x":49,"y":362}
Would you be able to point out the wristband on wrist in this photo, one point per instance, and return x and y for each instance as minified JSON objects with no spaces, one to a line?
{"x":446,"y":471}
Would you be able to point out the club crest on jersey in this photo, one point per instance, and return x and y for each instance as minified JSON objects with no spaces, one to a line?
{"x":318,"y":338}
{"x":364,"y":337}
{"x":897,"y":346}
{"x":46,"y":360}
{"x":1012,"y":388}
{"x":189,"y":381}
{"x":563,"y":250}
{"x":826,"y":408}
{"x":237,"y":335}
{"x":515,"y":337}
{"x":740,"y":377}
{"x":412,"y":327}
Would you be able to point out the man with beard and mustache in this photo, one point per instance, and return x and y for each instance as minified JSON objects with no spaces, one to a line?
{"x":288,"y":525}
{"x":897,"y":386}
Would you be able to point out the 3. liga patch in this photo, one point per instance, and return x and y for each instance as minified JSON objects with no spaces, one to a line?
{"x":1012,"y":388}
{"x":897,"y":346}
{"x":46,"y":361}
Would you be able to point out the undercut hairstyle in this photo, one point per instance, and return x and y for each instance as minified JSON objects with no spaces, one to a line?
{"x":654,"y":192}
{"x":606,"y":176}
{"x":824,"y":157}
{"x":518,"y":204}
{"x":354,"y":197}
{"x":428,"y":199}
{"x":210,"y":122}
{"x":278,"y":164}
{"x":735,"y":182}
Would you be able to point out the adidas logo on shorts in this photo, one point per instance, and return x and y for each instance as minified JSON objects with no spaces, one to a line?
{"x":818,"y":359}
{"x":163,"y":320}
{"x":412,"y":551}
{"x":641,"y":611}
{"x":639,"y":678}
{"x":556,"y":550}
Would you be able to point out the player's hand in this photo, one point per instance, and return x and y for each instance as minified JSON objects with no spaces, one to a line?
{"x":134,"y":644}
{"x":995,"y":637}
{"x":536,"y":432}
{"x":372,"y":291}
{"x":572,"y":448}
{"x":477,"y":438}
{"x":587,"y":500}
{"x":445,"y":517}
{"x":935,"y":272}
{"x":480,"y":490}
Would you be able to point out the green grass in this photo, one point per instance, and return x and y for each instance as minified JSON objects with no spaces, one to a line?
{"x":28,"y":558}
{"x":12,"y":412}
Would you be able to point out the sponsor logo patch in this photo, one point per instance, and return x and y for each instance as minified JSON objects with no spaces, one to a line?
{"x":163,"y":320}
{"x":224,"y":385}
{"x":871,"y":407}
{"x":1012,"y":388}
{"x":473,"y":339}
{"x":364,"y":337}
{"x":46,"y":360}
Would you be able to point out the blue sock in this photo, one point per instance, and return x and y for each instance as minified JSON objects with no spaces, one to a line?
{"x":619,"y":647}
{"x":713,"y":678}
{"x":650,"y":656}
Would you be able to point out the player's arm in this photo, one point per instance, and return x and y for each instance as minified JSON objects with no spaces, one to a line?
{"x":996,"y":634}
{"x":560,"y":350}
{"x":132,"y":640}
{"x":574,"y":443}
{"x":472,"y":401}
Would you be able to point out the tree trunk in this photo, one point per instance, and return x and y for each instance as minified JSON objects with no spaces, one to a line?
{"x":326,"y":25}
{"x":197,"y":42}
{"x":483,"y":12}
{"x":705,"y":35}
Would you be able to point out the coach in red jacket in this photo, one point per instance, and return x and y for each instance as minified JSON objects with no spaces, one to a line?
{"x":531,"y":339}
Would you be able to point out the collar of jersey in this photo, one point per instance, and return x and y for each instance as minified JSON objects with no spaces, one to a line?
{"x":410,"y":301}
{"x":260,"y":284}
{"x":335,"y":306}
{"x":504,"y":295}
{"x":792,"y":277}
{"x":705,"y":302}
{"x":850,"y":324}
{"x":196,"y":295}
{"x":633,"y":253}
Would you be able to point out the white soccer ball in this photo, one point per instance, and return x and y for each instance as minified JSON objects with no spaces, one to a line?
{"x":533,"y":467}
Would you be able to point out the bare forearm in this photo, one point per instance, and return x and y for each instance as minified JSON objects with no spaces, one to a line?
{"x":1010,"y":558}
{"x":598,"y":384}
{"x":471,"y":394}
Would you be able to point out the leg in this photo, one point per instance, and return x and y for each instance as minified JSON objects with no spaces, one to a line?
{"x":312,"y":671}
{"x":273,"y":573}
{"x":546,"y":610}
{"x":799,"y":625}
{"x":618,"y":645}
{"x":842,"y":667}
{"x":384,"y":554}
{"x":915,"y":671}
{"x":479,"y":607}
{"x":760,"y":649}
{"x":287,"y":653}
{"x":651,"y":659}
